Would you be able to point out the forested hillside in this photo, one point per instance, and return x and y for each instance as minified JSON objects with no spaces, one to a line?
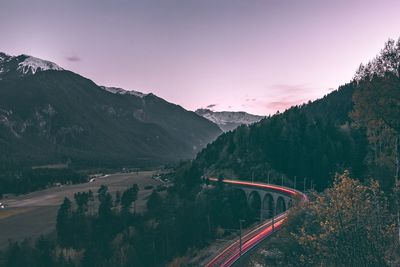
{"x":310,"y":141}
{"x":354,"y":132}
{"x":315,"y":140}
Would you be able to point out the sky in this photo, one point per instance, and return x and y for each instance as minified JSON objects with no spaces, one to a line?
{"x":236,"y":55}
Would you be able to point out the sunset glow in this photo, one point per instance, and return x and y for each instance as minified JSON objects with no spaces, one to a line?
{"x":256,"y":56}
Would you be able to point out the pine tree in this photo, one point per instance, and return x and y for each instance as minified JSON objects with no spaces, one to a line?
{"x":63,"y":221}
{"x":154,"y":203}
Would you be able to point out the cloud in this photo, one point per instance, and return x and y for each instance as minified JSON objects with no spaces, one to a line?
{"x":211,"y":106}
{"x":73,"y":58}
{"x":278,"y":97}
{"x":288,"y":89}
{"x":285,"y":96}
{"x":283,"y":104}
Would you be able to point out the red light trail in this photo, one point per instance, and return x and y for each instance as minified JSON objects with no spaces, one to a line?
{"x":232,"y":253}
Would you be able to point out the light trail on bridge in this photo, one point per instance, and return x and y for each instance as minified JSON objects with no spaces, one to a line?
{"x":232,"y":253}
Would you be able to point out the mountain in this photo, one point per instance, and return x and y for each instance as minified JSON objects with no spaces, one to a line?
{"x":50,"y":115}
{"x":227,"y":120}
{"x":23,"y":65}
{"x":121,"y":91}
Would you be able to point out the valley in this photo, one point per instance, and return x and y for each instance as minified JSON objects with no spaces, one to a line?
{"x":200,"y":133}
{"x":34,"y":214}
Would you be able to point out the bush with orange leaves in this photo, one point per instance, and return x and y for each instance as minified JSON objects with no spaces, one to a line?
{"x":350,"y":224}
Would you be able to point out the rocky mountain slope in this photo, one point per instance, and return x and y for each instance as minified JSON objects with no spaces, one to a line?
{"x":23,"y":65}
{"x":228,"y":120}
{"x":50,"y":115}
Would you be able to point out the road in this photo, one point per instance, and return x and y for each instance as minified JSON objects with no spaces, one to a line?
{"x":231,"y":254}
{"x":34,"y":214}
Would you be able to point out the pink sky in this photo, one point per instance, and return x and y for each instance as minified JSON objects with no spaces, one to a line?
{"x":256,"y":56}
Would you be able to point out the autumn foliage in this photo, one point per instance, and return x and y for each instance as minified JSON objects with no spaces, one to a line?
{"x":349,"y":224}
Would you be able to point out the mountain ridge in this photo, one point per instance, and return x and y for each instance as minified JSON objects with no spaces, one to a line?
{"x":51,"y":116}
{"x":229,"y":120}
{"x":23,"y":65}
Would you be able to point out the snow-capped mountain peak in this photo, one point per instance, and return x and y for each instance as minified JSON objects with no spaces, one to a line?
{"x":23,"y":65}
{"x":120,"y":91}
{"x":34,"y":64}
{"x":3,"y":56}
{"x":228,"y":120}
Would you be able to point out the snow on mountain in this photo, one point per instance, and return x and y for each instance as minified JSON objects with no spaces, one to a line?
{"x":34,"y":64}
{"x":116,"y":90}
{"x":3,"y":56}
{"x":228,"y":120}
{"x":23,"y":65}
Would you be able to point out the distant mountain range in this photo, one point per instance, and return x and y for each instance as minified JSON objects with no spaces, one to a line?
{"x":228,"y":120}
{"x":51,"y":115}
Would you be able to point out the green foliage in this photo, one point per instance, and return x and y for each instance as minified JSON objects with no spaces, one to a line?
{"x":175,"y":221}
{"x":154,"y":204}
{"x":63,"y":217}
{"x":25,"y":254}
{"x":377,"y":109}
{"x":106,"y":204}
{"x":101,"y":193}
{"x":28,"y":180}
{"x":128,"y":197}
{"x":82,"y":200}
{"x":187,"y":179}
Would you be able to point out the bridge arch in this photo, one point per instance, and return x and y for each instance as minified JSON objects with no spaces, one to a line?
{"x":238,"y":199}
{"x":254,"y":205}
{"x":280,"y":205}
{"x":290,"y":204}
{"x":268,"y":206}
